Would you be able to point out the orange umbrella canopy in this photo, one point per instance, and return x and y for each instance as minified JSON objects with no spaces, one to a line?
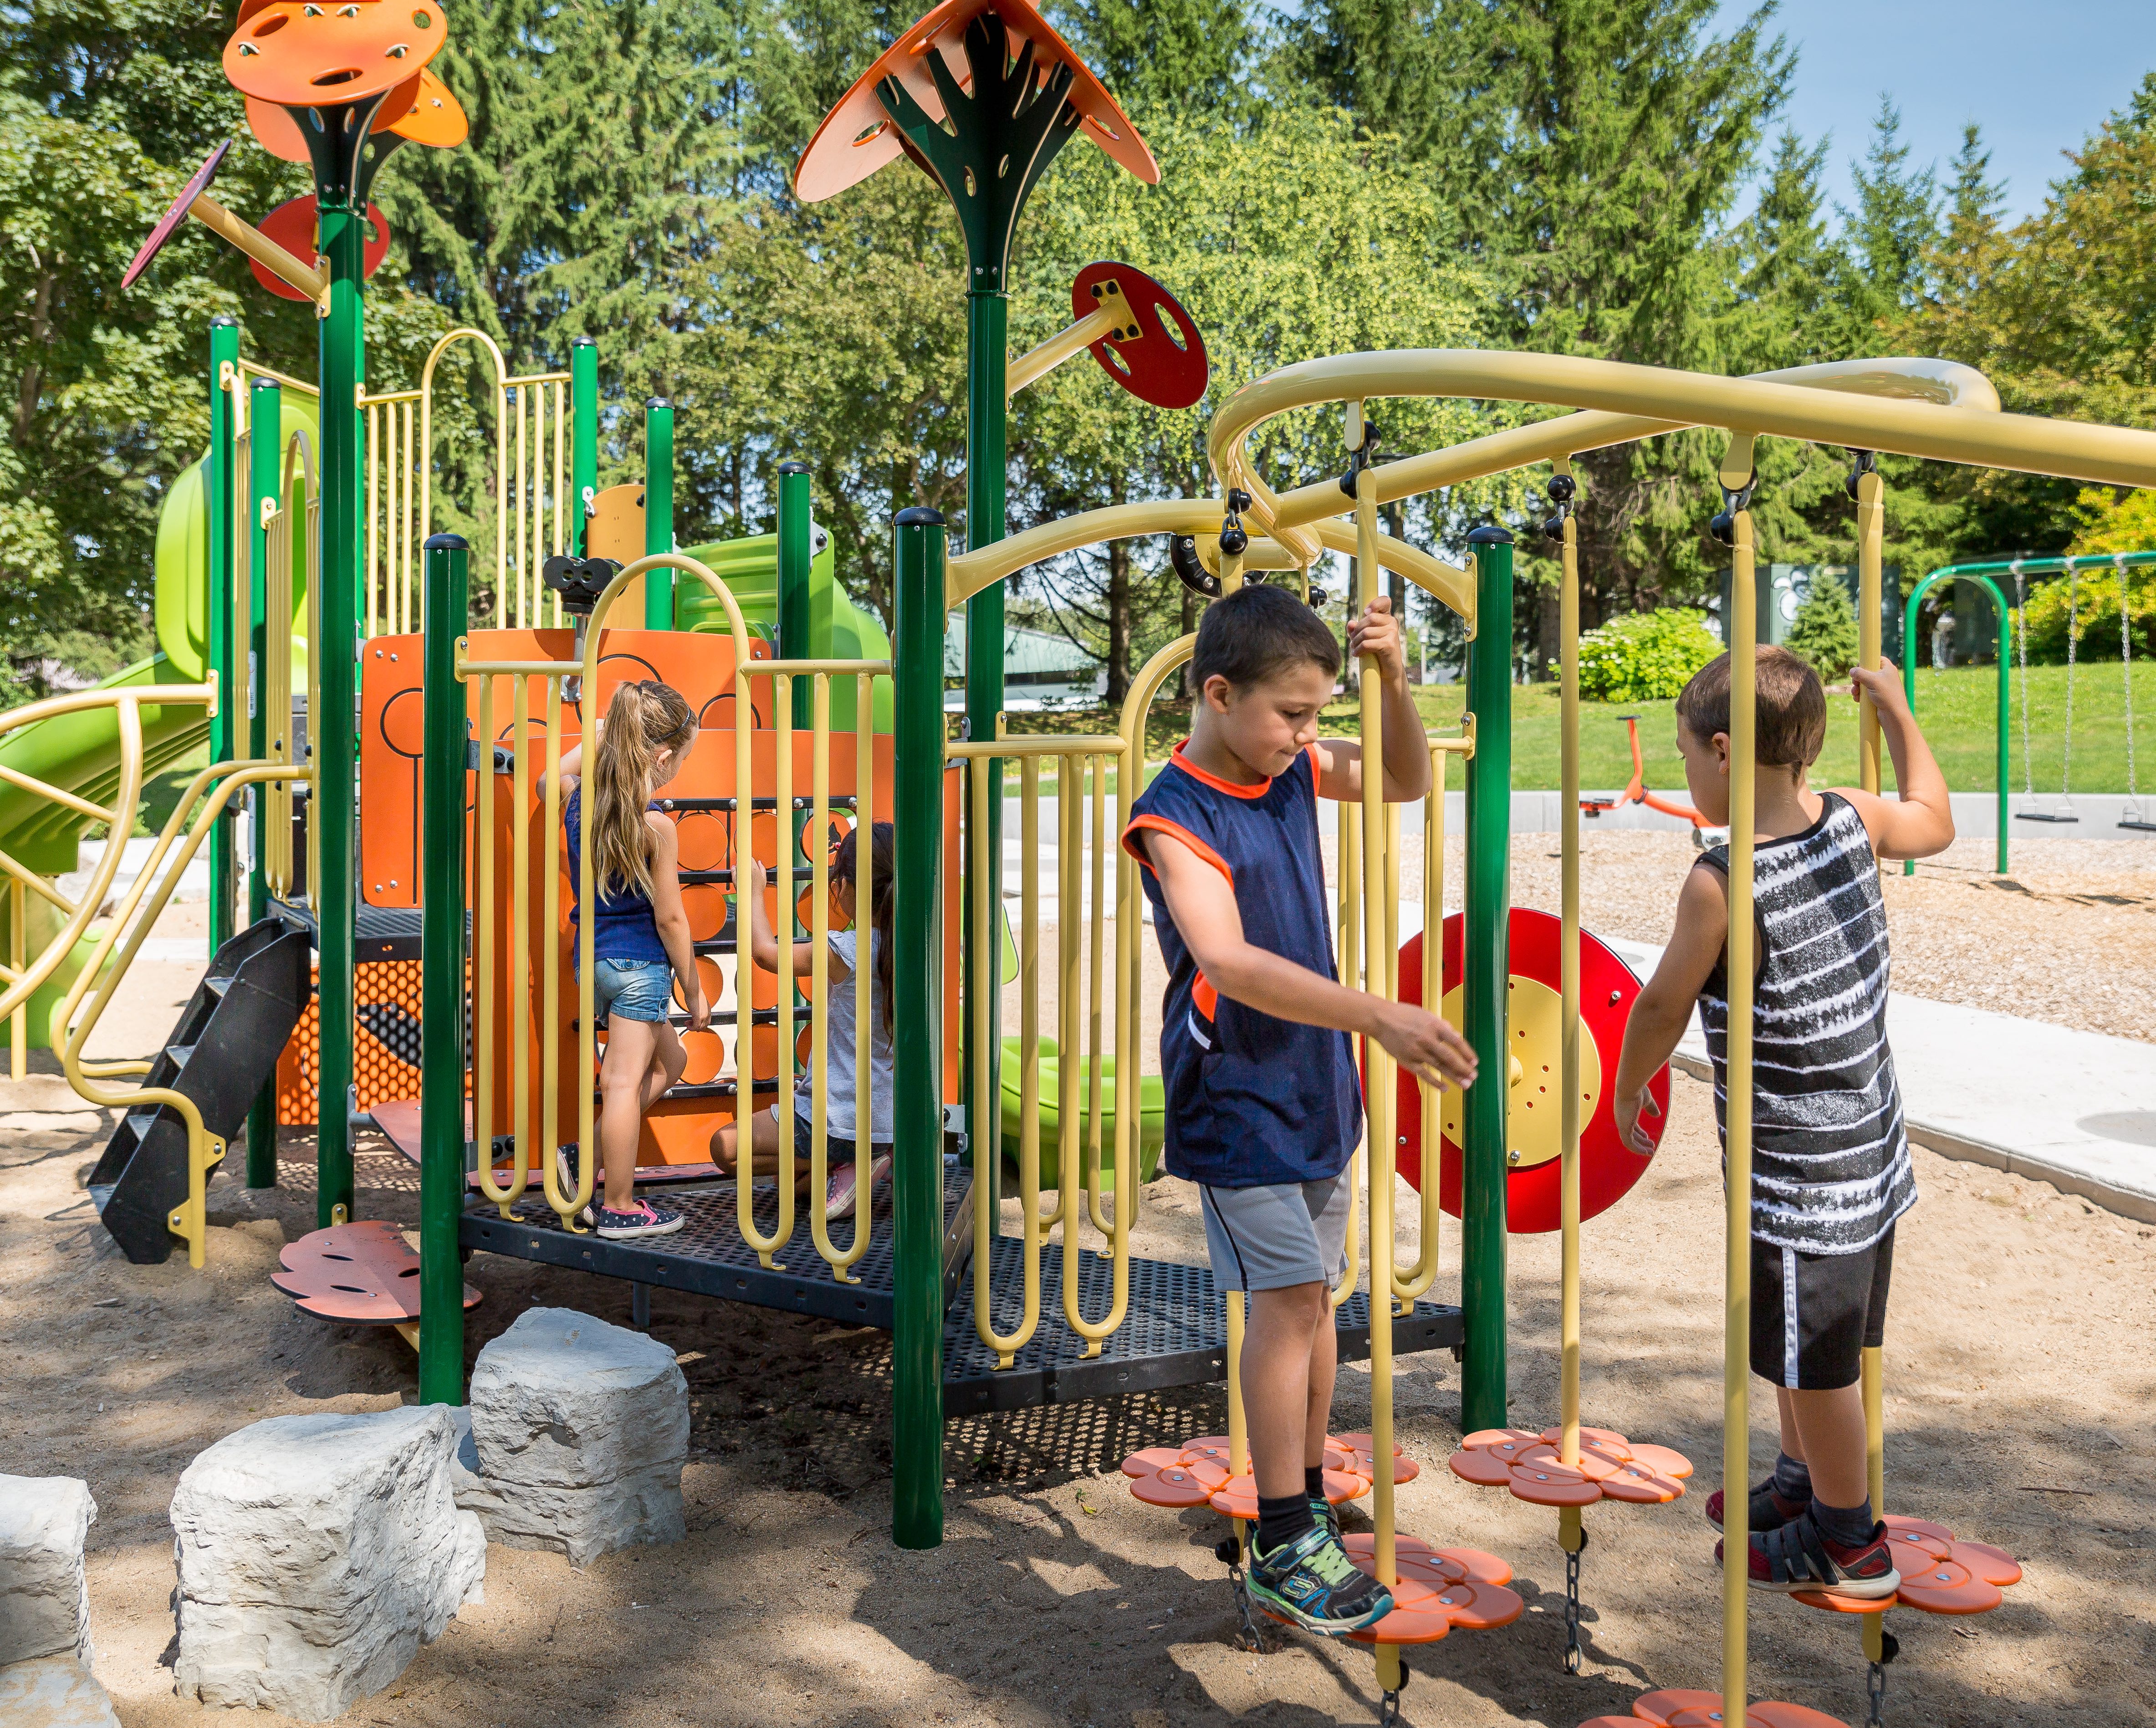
{"x":858,"y":137}
{"x":421,"y":109}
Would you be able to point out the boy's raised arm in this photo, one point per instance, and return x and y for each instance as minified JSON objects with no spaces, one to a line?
{"x":1377,"y":633}
{"x":1203,"y":905}
{"x":1920,"y":823}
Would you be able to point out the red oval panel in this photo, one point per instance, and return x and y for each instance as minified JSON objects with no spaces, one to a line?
{"x":1608,"y":1168}
{"x":169,"y":222}
{"x":1164,"y":367}
{"x":292,"y":225}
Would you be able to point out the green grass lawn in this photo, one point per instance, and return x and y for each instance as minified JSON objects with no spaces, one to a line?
{"x":1957,"y":709}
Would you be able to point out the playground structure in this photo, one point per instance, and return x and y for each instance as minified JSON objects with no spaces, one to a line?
{"x":417,"y":834}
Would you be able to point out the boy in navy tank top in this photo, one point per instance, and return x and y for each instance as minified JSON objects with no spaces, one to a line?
{"x":1264,"y":1103}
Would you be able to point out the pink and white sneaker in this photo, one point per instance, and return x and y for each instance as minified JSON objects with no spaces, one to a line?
{"x":639,"y":1219}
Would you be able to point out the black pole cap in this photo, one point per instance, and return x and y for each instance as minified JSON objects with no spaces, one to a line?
{"x":266,"y":384}
{"x":1490,"y":534}
{"x":446,"y":543}
{"x":919,"y":515}
{"x":657,"y":401}
{"x":791,"y":466}
{"x":223,"y":320}
{"x":584,"y":342}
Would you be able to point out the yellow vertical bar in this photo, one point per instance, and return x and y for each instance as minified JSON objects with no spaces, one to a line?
{"x":865,"y":965}
{"x":486,"y":939}
{"x":1433,"y":998}
{"x":1126,"y":1197}
{"x":501,"y":515}
{"x":1737,"y":1273}
{"x":1871,"y":536}
{"x":407,"y":541}
{"x":532,"y":498}
{"x":519,"y":914}
{"x":588,"y":1036}
{"x":18,"y":1023}
{"x":745,"y":974}
{"x":819,"y":979}
{"x":550,"y":983}
{"x":782,"y":703}
{"x":1569,"y":1009}
{"x":1377,"y":968}
{"x":374,"y":523}
{"x":561,"y":511}
{"x":1874,"y":1385}
{"x":1029,"y":987}
{"x":1239,"y":1427}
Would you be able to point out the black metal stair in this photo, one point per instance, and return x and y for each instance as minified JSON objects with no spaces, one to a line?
{"x":221,"y":1053}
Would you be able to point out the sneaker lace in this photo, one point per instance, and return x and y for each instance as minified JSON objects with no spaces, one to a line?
{"x":1332,"y":1564}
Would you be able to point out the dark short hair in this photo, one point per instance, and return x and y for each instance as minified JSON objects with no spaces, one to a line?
{"x":1789,"y":724}
{"x":1258,"y":633}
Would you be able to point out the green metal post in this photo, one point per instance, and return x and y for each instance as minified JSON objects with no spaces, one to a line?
{"x":1485,"y":978}
{"x":658,"y":510}
{"x":916,"y":1012}
{"x":266,"y":424}
{"x":2005,"y":693}
{"x":988,"y":317}
{"x":221,"y":491}
{"x":335,"y":731}
{"x":794,"y":509}
{"x":447,"y":752}
{"x":583,"y":435}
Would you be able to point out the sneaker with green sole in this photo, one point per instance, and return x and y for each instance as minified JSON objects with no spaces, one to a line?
{"x":1313,"y":1583}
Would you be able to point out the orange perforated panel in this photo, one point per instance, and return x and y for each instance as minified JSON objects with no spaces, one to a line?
{"x":385,"y":1048}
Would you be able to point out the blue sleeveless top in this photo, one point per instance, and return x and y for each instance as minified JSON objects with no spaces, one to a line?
{"x":625,"y":928}
{"x":1252,"y":1100}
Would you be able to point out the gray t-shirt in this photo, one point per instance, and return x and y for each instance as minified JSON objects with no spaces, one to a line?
{"x":840,"y":1052}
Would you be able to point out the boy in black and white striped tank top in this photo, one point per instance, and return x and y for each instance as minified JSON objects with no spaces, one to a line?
{"x":1830,"y":1170}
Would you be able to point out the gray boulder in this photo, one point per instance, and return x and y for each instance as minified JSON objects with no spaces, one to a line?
{"x":54,"y":1692}
{"x":580,"y":1429}
{"x":316,"y":1555}
{"x":44,"y":1599}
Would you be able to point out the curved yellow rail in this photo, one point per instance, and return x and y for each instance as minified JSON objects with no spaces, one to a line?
{"x":204,"y":1149}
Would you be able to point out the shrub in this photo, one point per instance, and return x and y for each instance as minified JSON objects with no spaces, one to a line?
{"x":2097,"y":605}
{"x":1645,"y":658}
{"x":1822,"y":635}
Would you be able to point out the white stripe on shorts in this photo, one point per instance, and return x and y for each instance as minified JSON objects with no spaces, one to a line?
{"x":1788,"y":1317}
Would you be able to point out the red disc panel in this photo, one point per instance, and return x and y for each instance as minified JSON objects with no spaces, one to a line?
{"x":291,"y":225}
{"x":1165,"y":367}
{"x":169,"y":222}
{"x":1608,"y":1168}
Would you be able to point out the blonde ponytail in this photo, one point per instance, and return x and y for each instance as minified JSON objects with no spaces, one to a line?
{"x":641,"y":720}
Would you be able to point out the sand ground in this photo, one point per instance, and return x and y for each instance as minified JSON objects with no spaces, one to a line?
{"x":2019,"y":1381}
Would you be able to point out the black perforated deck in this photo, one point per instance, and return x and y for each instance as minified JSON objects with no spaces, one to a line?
{"x":1173,"y":1334}
{"x":708,"y":1256}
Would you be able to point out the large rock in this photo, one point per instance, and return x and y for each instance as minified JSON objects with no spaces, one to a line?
{"x":581,"y":1430}
{"x":44,"y":1601}
{"x":54,"y":1692}
{"x":316,"y":1555}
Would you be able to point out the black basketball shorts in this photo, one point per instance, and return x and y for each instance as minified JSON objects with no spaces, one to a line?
{"x":1814,"y":1316}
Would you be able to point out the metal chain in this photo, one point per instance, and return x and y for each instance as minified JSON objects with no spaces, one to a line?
{"x":1875,"y":1686}
{"x":2073,"y":639}
{"x":1573,"y":1656}
{"x":2126,"y":666}
{"x":2021,"y":643}
{"x":1389,"y":1708}
{"x":1249,"y":1636}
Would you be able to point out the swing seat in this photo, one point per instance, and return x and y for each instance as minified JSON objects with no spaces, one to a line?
{"x":2045,"y":815}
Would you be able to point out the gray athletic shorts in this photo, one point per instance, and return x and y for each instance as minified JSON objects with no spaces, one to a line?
{"x":1268,"y":1239}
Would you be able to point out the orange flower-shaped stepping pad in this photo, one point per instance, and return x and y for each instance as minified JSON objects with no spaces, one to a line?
{"x":1678,"y":1708}
{"x":300,"y":53}
{"x":1610,"y":1467}
{"x":1940,"y":1574}
{"x":1200,"y":1470}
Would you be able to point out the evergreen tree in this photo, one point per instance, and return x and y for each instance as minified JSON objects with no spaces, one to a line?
{"x":1822,"y":635}
{"x":1894,"y":228}
{"x":1160,"y":56}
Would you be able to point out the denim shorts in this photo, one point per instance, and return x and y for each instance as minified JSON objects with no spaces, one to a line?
{"x":635,"y":989}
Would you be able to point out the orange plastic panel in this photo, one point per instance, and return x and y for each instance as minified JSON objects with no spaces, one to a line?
{"x":1480,"y":1607}
{"x":293,"y":225}
{"x":1661,"y":1707}
{"x":1480,"y":1465}
{"x":1922,"y":1531}
{"x":1995,"y":1565}
{"x":1549,"y":1484}
{"x":356,"y":1274}
{"x":1637,"y":1485}
{"x":1766,"y":1714}
{"x":1173,"y":1486}
{"x":278,"y":133}
{"x":1594,"y":1464}
{"x":1418,"y":1615}
{"x":342,"y":54}
{"x":1151,"y":1461}
{"x":1496,"y":1436}
{"x":1473,"y":1566}
{"x":1607,"y":1438}
{"x":1670,"y":1463}
{"x":1343,"y":1485}
{"x":857,"y":137}
{"x":1946,"y":1587}
{"x":1237,"y":1497}
{"x":428,"y":115}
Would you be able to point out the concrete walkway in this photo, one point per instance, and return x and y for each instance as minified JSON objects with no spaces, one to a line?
{"x":2077,"y":1109}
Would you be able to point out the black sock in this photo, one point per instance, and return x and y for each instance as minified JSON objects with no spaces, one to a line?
{"x":1283,"y":1520}
{"x":1792,"y":1478}
{"x":1313,"y":1481}
{"x":1851,"y":1526}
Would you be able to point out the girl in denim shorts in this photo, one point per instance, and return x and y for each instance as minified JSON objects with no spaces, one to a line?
{"x":640,"y":941}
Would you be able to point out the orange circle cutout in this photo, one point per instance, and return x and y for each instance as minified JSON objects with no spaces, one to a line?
{"x":705,"y":1052}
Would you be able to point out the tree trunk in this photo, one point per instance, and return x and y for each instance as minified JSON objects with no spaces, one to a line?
{"x":1117,"y":599}
{"x":1549,"y":649}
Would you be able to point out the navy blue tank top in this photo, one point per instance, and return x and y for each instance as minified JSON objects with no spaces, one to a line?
{"x":1252,"y":1100}
{"x":625,"y":928}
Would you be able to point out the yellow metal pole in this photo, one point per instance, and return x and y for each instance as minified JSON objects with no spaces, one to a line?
{"x":1568,"y":1013}
{"x":18,"y":1023}
{"x":1737,"y":1271}
{"x":1870,"y":534}
{"x":782,"y":704}
{"x":519,"y":916}
{"x":1377,"y":971}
